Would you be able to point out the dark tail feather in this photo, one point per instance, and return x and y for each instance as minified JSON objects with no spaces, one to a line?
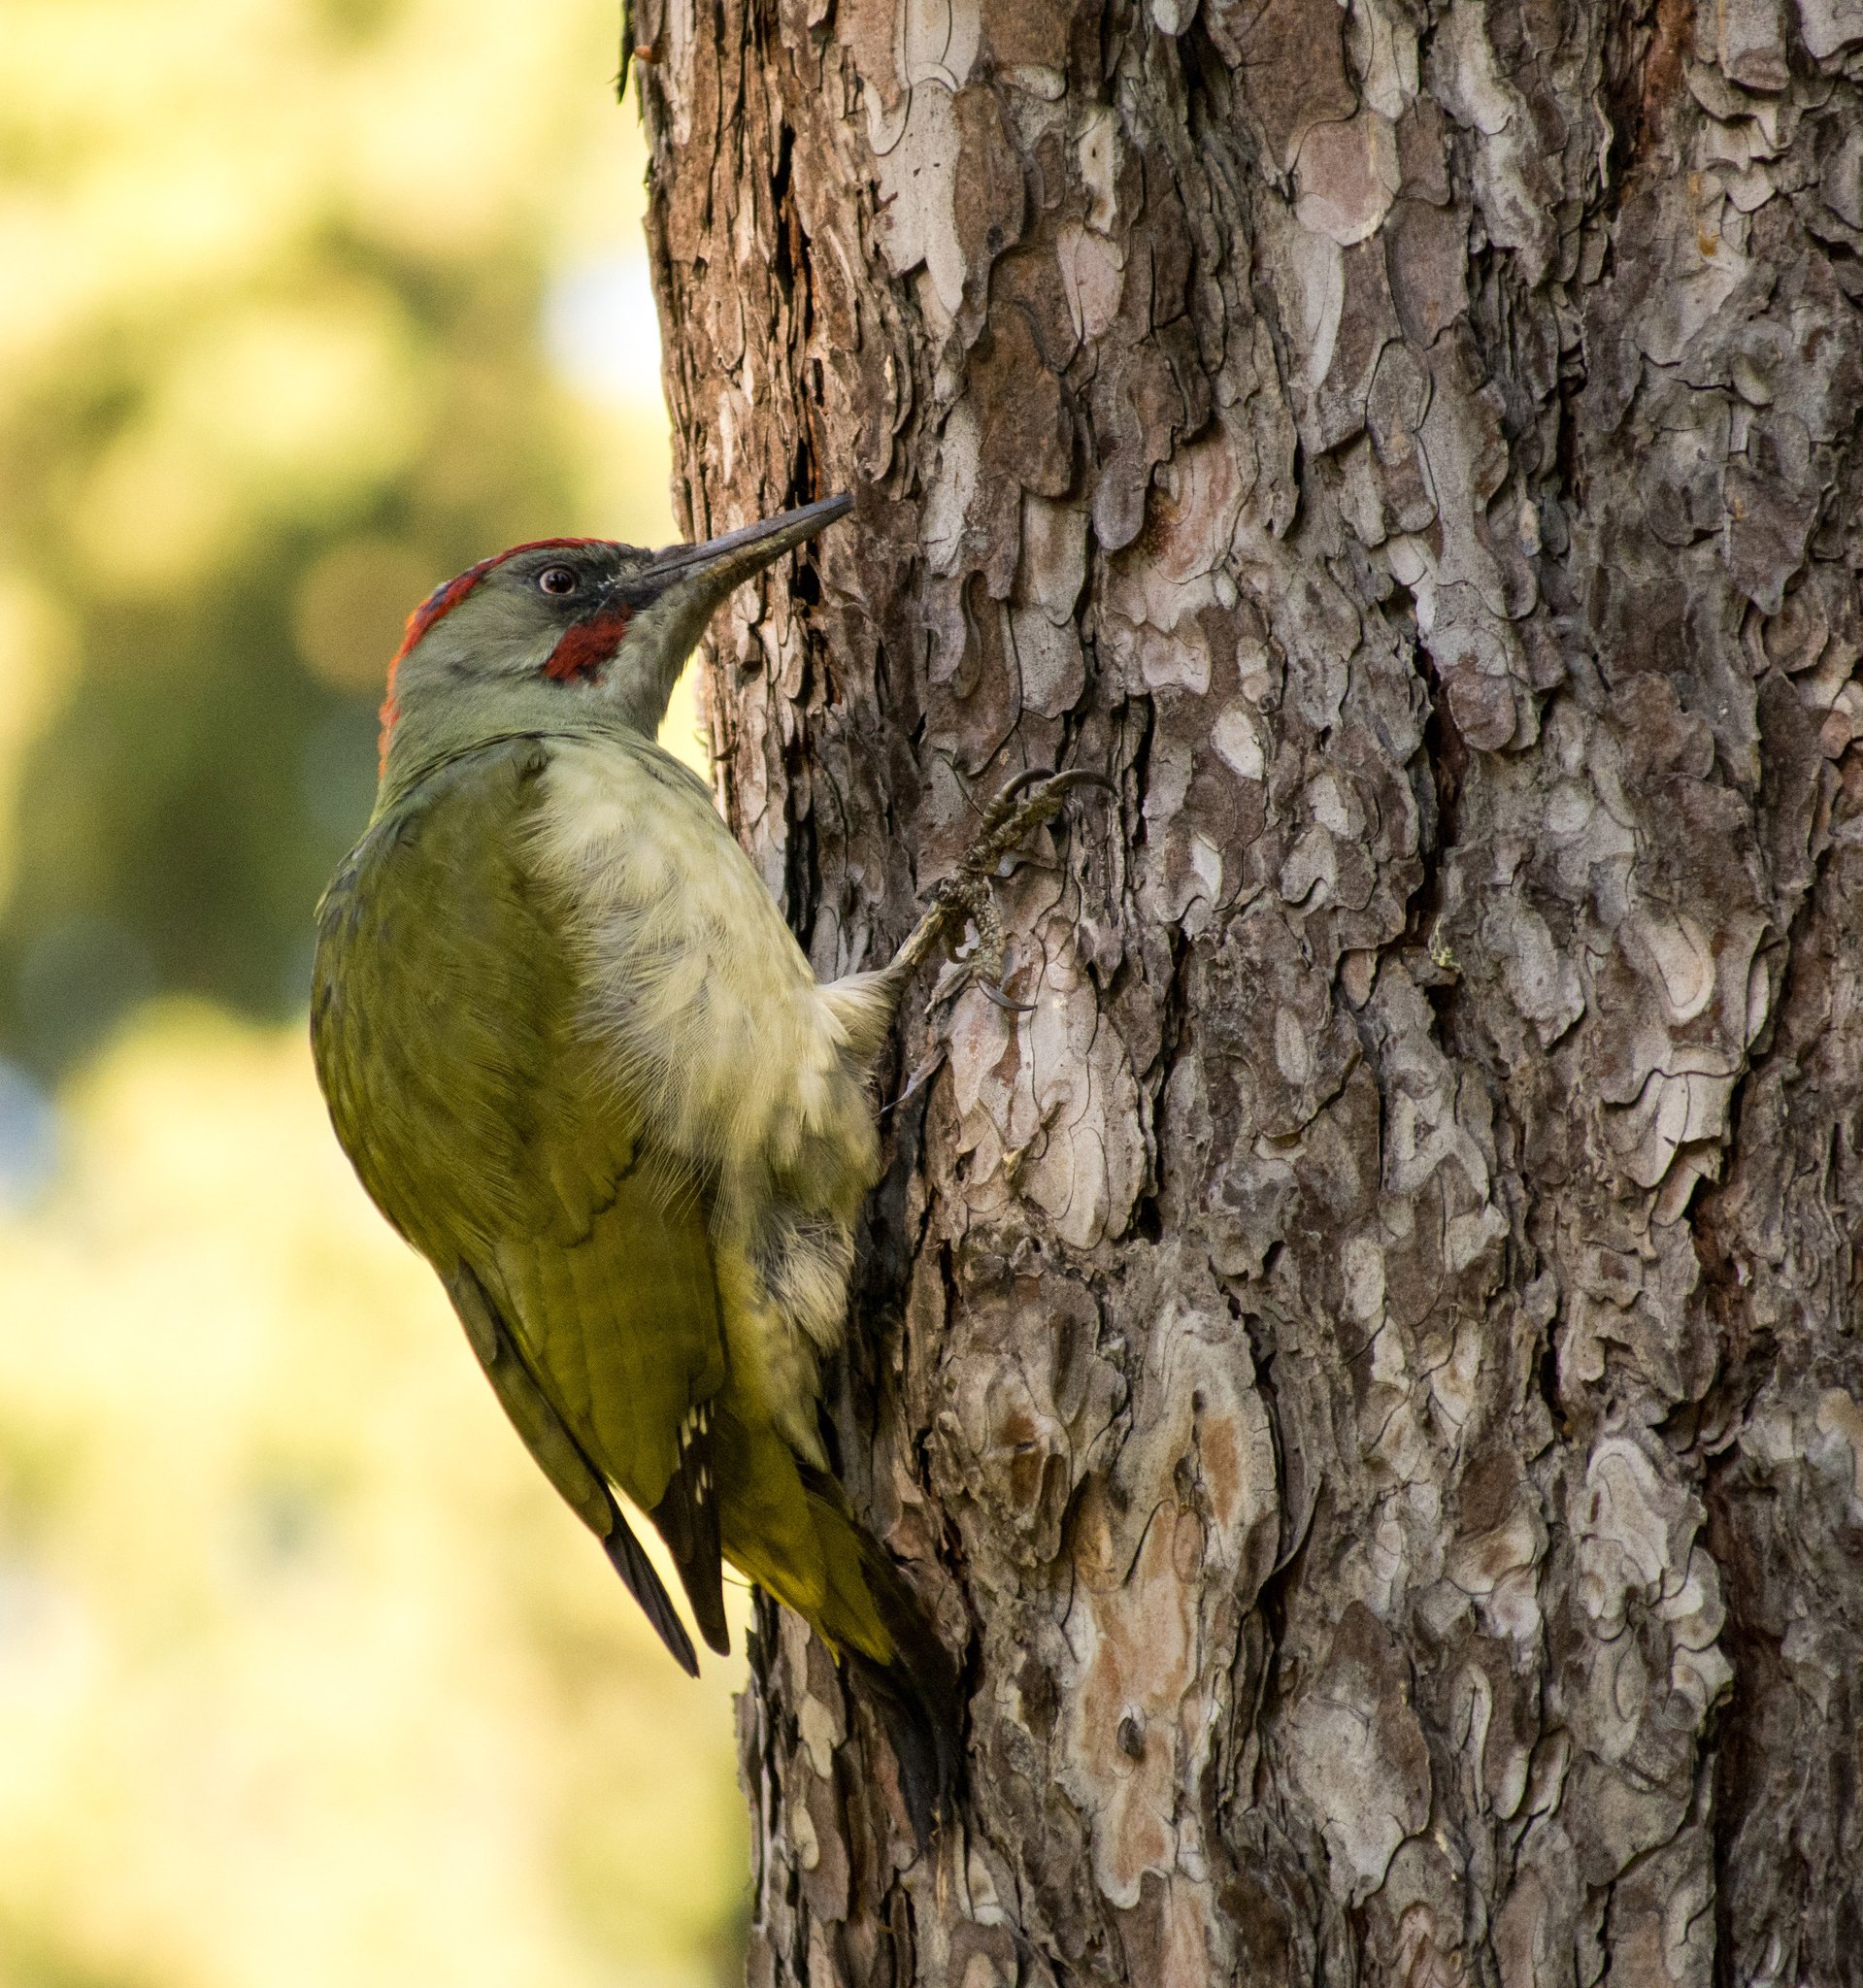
{"x":923,"y":1735}
{"x":687,"y":1518}
{"x":631,"y":1562}
{"x":915,"y":1696}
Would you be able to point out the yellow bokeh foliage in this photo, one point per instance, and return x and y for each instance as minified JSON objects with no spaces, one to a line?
{"x":306,"y":1677}
{"x":305,"y":1674}
{"x":278,"y":279}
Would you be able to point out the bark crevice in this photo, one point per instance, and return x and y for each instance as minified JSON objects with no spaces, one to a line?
{"x":1367,"y":1372}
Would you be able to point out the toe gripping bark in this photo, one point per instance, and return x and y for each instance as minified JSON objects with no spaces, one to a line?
{"x":967,"y":896}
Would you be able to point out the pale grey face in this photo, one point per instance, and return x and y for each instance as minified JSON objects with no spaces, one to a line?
{"x":583,"y":616}
{"x":513,"y":615}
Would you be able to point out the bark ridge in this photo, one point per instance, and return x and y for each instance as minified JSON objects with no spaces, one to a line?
{"x":1367,"y":1370}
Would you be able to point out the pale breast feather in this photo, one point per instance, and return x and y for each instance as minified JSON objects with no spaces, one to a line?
{"x":694,"y":989}
{"x":705,"y":1011}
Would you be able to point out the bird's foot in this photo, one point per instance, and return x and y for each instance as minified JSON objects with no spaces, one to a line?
{"x":967,"y":896}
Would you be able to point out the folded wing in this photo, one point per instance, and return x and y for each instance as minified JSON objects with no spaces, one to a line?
{"x":445,"y":1026}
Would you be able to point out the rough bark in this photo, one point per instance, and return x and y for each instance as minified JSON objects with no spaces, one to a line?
{"x":1367,"y":1372}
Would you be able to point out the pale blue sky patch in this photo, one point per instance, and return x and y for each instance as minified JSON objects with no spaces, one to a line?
{"x":601,"y":331}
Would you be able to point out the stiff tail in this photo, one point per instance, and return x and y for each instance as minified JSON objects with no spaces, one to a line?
{"x":687,"y":1518}
{"x":788,"y":1526}
{"x":905,"y":1673}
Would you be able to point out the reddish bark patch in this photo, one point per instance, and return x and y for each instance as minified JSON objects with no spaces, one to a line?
{"x":583,"y":648}
{"x":1662,"y":69}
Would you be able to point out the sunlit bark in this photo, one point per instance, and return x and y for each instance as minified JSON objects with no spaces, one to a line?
{"x":1367,"y":1370}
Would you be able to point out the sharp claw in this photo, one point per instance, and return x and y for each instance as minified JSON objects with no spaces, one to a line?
{"x":1012,"y":814}
{"x":997,"y":998}
{"x":1003,"y":803}
{"x":919,"y":1078}
{"x":1029,"y":776}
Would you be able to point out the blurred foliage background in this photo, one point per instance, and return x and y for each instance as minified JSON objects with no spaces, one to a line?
{"x":305,"y":1677}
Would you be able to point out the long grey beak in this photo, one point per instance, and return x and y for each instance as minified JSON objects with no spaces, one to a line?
{"x":677,"y":593}
{"x":706,"y":573}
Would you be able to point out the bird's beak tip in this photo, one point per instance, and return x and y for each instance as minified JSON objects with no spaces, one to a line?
{"x":671,"y":596}
{"x":734,"y":556}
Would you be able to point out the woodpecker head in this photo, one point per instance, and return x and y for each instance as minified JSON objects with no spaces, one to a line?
{"x":537,"y":636}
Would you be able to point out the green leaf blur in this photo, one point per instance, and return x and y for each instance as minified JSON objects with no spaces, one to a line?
{"x":269,"y":368}
{"x":305,"y":1674}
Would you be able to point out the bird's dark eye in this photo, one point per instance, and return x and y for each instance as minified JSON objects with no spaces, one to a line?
{"x":558,"y":579}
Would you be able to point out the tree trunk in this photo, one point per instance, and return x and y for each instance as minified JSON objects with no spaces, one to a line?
{"x":1367,"y":1372}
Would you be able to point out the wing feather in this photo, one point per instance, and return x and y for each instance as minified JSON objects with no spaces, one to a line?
{"x":445,"y":1027}
{"x":564,"y":1463}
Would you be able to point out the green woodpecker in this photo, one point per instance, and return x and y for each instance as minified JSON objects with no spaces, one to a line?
{"x":581,"y":1063}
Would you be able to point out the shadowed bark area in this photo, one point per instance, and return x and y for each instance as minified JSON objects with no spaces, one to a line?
{"x":1367,"y":1372}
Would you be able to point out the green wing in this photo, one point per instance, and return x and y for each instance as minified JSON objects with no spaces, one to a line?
{"x":443,"y":1019}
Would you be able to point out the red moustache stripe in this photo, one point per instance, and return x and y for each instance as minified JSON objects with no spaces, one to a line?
{"x":583,"y":649}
